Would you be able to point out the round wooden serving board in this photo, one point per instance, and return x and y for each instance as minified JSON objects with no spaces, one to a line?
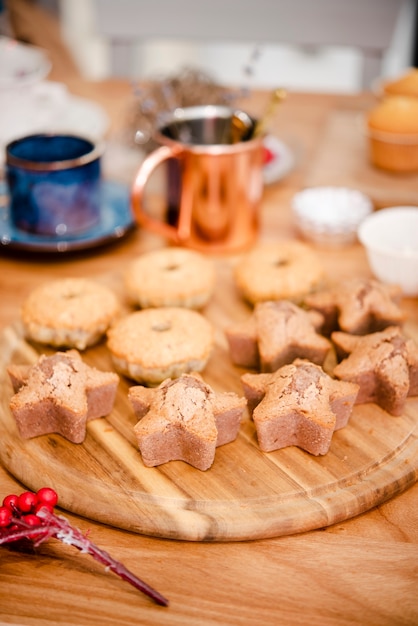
{"x":246,"y":494}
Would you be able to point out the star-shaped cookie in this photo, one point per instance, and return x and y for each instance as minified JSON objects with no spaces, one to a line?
{"x":383,"y":364}
{"x":59,"y":394}
{"x":298,"y":405}
{"x":277,"y":333}
{"x":184,"y":420}
{"x":358,"y":306}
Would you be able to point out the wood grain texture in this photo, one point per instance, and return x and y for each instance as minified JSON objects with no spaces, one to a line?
{"x":246,"y":494}
{"x":361,"y":571}
{"x":348,"y":166}
{"x":314,"y":579}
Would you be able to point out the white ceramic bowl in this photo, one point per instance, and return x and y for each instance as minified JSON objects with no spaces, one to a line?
{"x":330,"y":216}
{"x":390,"y":237}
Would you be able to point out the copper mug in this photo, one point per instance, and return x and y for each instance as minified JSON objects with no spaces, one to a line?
{"x":215,"y":183}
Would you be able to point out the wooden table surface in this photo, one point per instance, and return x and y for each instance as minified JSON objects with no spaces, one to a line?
{"x":362,"y":571}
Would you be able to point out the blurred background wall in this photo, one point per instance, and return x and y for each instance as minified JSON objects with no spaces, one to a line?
{"x":317,"y":68}
{"x":300,"y":67}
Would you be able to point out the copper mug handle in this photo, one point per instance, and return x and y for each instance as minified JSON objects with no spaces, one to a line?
{"x":180,"y":233}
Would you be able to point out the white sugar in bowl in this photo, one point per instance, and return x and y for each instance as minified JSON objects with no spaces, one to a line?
{"x":330,"y":216}
{"x":390,"y":237}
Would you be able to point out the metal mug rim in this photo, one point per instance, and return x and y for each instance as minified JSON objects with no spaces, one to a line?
{"x":52,"y":166}
{"x":182,"y":114}
{"x":195,"y":111}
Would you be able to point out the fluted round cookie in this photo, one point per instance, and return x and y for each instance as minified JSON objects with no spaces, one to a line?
{"x":158,"y":343}
{"x":175,"y":277}
{"x":286,"y":270}
{"x":69,"y":312}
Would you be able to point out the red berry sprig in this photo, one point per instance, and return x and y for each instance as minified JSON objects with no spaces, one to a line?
{"x":31,"y":516}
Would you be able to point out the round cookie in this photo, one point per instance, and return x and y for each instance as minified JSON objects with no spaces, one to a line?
{"x":286,"y":270}
{"x":69,"y":312}
{"x":158,"y":343}
{"x":174,"y":277}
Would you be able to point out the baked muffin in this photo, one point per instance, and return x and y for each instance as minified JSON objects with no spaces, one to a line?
{"x":392,"y":128}
{"x":404,"y":85}
{"x":170,"y":277}
{"x":275,"y":334}
{"x":358,"y":306}
{"x":284,"y":270}
{"x":184,"y":420}
{"x":383,"y":364}
{"x":69,"y":313}
{"x":298,"y":405}
{"x":60,"y":394}
{"x":154,"y":344}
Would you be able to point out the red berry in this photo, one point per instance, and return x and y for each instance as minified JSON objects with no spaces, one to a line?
{"x":11,"y":502}
{"x":31,"y":519}
{"x":27,"y":501}
{"x":42,"y":505}
{"x":47,"y":496}
{"x":5,"y":516}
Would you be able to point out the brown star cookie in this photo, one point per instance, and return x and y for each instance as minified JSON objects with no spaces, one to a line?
{"x":358,"y":306}
{"x":275,"y":334}
{"x":383,"y":364}
{"x":59,"y":394}
{"x":298,"y":405}
{"x":184,"y":420}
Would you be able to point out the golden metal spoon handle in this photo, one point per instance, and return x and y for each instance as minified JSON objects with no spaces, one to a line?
{"x":278,"y":95}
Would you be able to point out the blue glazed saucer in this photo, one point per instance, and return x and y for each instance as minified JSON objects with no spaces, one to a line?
{"x":115,"y":222}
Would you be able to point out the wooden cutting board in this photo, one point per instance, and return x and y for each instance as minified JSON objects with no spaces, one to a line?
{"x":246,"y":494}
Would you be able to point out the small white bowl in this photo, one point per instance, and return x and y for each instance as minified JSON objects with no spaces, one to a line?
{"x":330,"y":216}
{"x":390,"y":237}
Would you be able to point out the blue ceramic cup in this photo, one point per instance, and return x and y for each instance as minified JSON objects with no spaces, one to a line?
{"x":54,"y":183}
